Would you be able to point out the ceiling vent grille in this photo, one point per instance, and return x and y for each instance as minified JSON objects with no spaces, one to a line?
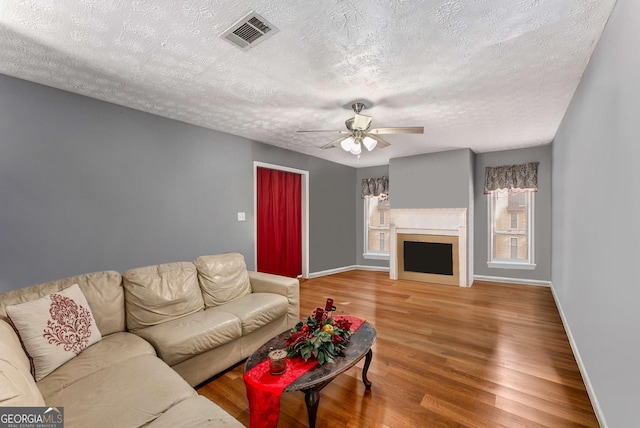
{"x":249,"y":31}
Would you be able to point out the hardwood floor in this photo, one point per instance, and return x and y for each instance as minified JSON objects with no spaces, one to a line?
{"x":486,"y":356}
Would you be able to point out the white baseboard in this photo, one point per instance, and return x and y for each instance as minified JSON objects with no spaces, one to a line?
{"x":583,"y":371}
{"x":476,"y":277}
{"x":348,"y":268}
{"x":512,"y":280}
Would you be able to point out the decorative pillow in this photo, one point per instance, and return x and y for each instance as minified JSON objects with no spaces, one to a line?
{"x":54,"y":328}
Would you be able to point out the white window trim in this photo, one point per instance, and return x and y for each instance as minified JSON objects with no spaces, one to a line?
{"x":371,"y":255}
{"x":511,"y":265}
{"x":376,"y":256}
{"x":506,"y":263}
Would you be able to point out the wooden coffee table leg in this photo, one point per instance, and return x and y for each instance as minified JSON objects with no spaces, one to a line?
{"x":312,"y":398}
{"x":367,"y":361}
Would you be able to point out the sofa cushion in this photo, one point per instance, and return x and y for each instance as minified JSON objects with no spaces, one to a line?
{"x":17,"y":387}
{"x":256,"y":310}
{"x":103,"y":291}
{"x":195,"y":412}
{"x":112,"y":349}
{"x":223,"y":278}
{"x":157,"y":294}
{"x":54,"y":328}
{"x":127,"y":394}
{"x":181,"y":339}
{"x":289,"y":287}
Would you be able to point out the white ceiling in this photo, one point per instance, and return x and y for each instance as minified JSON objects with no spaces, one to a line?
{"x":483,"y":74}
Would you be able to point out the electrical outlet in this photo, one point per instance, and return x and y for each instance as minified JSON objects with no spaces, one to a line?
{"x":241,"y":217}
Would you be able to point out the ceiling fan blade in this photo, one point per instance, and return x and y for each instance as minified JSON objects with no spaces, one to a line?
{"x":327,"y":130}
{"x":334,"y":143}
{"x":406,"y":130}
{"x":361,"y":122}
{"x":381,"y":142}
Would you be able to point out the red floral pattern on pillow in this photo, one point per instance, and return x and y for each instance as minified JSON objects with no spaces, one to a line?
{"x":69,"y":324}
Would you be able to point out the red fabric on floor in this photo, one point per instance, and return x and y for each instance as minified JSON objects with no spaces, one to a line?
{"x":264,"y":389}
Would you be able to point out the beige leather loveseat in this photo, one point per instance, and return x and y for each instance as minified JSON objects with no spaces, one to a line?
{"x":160,"y":325}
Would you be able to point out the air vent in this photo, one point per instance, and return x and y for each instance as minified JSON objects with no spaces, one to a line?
{"x":249,"y":31}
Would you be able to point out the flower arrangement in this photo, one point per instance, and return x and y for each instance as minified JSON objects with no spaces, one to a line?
{"x":320,"y":336}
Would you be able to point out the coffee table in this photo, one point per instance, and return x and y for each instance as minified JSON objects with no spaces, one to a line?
{"x":320,"y":376}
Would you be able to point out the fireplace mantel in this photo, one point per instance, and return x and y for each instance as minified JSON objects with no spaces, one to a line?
{"x":445,"y":221}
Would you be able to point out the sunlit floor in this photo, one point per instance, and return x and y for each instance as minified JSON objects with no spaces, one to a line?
{"x":490,"y":355}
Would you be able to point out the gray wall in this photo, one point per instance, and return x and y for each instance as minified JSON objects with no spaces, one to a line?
{"x":361,"y":173}
{"x":542,"y":204}
{"x":87,"y":185}
{"x":595,"y":226}
{"x":434,"y":180}
{"x":332,"y":220}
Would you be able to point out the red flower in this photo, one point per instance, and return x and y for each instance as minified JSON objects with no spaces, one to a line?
{"x":343,"y":324}
{"x":296,"y":337}
{"x":337,"y":339}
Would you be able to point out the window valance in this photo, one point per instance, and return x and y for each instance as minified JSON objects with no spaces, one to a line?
{"x":523,"y":176}
{"x":375,"y":188}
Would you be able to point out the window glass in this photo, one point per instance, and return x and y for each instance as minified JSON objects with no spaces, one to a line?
{"x":511,"y":225}
{"x":376,"y":226}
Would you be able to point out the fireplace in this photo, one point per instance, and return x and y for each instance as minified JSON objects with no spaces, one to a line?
{"x":430,"y":245}
{"x":428,"y":258}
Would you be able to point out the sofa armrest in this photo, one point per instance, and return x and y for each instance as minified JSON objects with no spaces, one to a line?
{"x":285,"y":286}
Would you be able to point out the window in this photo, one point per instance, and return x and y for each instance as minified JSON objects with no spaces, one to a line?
{"x":514,"y":248}
{"x":511,"y":229}
{"x":376,"y":224}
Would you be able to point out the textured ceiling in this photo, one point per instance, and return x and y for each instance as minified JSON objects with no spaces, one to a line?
{"x":482,"y":74}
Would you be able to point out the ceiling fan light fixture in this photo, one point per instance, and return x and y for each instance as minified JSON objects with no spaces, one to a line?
{"x":361,"y":122}
{"x":356,"y":149}
{"x":347,"y":144}
{"x":358,"y":133}
{"x":369,"y":143}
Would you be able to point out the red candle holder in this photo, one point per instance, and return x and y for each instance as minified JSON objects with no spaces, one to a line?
{"x":328,"y":307}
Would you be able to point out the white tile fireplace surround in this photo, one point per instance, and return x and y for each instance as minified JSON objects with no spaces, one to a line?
{"x":443,"y":222}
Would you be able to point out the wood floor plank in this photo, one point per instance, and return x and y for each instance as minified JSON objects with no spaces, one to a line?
{"x":490,"y":355}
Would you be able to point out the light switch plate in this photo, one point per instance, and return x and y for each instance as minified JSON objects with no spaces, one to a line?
{"x":241,"y":217}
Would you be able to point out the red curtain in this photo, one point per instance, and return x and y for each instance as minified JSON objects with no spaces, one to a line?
{"x":279,"y":222}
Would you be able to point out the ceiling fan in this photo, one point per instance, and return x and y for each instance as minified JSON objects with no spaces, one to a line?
{"x":358,"y":133}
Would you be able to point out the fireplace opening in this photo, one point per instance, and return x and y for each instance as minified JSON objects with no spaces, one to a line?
{"x":428,"y":257}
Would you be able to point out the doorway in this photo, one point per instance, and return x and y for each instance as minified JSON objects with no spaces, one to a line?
{"x":281,"y":220}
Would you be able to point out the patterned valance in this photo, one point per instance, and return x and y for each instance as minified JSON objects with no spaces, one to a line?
{"x":375,"y":188}
{"x":523,"y":176}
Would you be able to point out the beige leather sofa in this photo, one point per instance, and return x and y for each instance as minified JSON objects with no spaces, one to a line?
{"x":195,"y":318}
